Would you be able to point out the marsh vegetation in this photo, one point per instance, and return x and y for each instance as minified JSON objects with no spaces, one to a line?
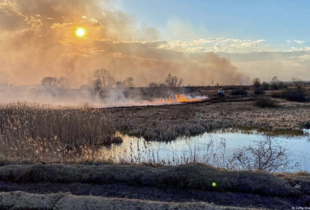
{"x":33,"y":132}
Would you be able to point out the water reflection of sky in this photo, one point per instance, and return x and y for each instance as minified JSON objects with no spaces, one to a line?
{"x":183,"y":149}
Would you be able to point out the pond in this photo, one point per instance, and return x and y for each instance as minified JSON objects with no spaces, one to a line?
{"x":216,"y":148}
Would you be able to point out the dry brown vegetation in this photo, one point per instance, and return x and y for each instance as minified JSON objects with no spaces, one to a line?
{"x":30,"y":132}
{"x":164,"y":123}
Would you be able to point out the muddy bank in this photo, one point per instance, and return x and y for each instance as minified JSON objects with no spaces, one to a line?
{"x":184,"y":183}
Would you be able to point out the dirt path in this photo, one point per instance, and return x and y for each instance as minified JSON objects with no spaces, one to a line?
{"x":60,"y":201}
{"x":153,"y":194}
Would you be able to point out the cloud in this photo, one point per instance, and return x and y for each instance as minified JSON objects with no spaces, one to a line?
{"x":299,"y":42}
{"x":212,"y":44}
{"x":92,"y":24}
{"x":299,"y":49}
{"x":259,"y":41}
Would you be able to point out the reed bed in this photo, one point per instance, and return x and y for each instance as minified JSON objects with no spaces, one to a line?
{"x":42,"y":132}
{"x":32,"y":132}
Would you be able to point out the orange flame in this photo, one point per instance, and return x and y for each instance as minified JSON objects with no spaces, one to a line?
{"x":177,"y":99}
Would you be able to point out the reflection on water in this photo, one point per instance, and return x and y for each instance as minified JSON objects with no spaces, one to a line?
{"x":212,"y":148}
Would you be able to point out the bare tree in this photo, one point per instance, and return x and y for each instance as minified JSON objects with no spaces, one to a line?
{"x":269,"y":155}
{"x":173,"y":81}
{"x":276,"y":84}
{"x":180,"y":83}
{"x":104,"y":78}
{"x":299,"y":84}
{"x":169,"y":80}
{"x":102,"y":81}
{"x":49,"y":82}
{"x":129,"y":82}
{"x":62,"y":83}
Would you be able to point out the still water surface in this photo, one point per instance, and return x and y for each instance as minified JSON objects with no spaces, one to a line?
{"x":213,"y":148}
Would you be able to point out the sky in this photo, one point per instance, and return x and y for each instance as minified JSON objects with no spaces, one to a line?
{"x":274,"y":34}
{"x":276,"y":21}
{"x":203,"y":42}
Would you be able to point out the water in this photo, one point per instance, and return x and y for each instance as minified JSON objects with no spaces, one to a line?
{"x":212,"y":148}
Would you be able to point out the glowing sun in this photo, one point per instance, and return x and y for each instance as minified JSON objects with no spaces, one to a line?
{"x":80,"y":32}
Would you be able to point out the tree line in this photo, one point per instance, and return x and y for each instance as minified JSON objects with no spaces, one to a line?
{"x":102,"y":81}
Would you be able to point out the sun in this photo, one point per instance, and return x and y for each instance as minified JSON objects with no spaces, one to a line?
{"x":80,"y":32}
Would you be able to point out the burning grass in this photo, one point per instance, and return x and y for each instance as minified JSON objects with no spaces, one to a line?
{"x":178,"y":98}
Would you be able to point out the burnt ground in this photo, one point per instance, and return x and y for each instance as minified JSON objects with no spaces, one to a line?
{"x":186,"y":186}
{"x":167,"y":122}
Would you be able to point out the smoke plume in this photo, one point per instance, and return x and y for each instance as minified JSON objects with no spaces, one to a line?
{"x":38,"y":40}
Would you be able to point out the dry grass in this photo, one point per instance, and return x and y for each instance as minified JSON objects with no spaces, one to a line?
{"x":40,"y":133}
{"x":166,"y":123}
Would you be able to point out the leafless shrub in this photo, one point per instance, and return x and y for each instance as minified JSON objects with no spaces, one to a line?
{"x":299,"y":84}
{"x":277,"y":84}
{"x":102,"y":81}
{"x":268,"y":155}
{"x":49,"y":82}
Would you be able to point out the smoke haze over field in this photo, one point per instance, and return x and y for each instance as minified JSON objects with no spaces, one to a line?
{"x":38,"y":40}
